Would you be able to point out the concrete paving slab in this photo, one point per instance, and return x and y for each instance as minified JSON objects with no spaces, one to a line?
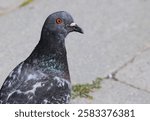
{"x":10,"y":3}
{"x":113,"y":92}
{"x":8,"y":6}
{"x":137,"y":73}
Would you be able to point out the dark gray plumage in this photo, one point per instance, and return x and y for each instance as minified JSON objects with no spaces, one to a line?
{"x":44,"y":76}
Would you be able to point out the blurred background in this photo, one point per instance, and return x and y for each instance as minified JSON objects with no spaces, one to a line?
{"x":115,"y":44}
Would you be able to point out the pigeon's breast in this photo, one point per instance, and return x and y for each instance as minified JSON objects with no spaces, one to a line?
{"x":40,"y":88}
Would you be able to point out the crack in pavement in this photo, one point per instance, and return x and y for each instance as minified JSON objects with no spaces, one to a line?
{"x":114,"y":73}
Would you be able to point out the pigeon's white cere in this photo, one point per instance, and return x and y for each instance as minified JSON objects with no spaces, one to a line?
{"x":73,"y":24}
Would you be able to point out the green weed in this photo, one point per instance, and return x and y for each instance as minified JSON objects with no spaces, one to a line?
{"x":84,"y":90}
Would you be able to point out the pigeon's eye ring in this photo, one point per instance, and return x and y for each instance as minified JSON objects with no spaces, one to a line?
{"x":58,"y":21}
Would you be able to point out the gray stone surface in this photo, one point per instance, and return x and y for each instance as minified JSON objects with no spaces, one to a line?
{"x":115,"y":31}
{"x":116,"y":93}
{"x":9,"y":3}
{"x":137,"y":73}
{"x":8,"y":6}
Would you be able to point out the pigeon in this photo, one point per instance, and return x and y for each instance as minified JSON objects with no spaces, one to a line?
{"x":43,"y":78}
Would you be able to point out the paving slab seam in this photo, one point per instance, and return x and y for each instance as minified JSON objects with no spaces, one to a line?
{"x":113,"y":75}
{"x":130,"y":85}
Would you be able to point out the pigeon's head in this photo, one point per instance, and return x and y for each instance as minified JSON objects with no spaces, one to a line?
{"x":61,"y":23}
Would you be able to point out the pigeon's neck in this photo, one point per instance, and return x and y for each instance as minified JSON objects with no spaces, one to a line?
{"x":50,"y":53}
{"x":50,"y":44}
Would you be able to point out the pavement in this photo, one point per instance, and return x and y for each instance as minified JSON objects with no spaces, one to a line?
{"x":116,"y":44}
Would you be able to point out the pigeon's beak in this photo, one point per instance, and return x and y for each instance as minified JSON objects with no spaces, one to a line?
{"x":76,"y":28}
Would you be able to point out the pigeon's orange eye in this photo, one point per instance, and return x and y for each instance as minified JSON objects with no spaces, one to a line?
{"x":58,"y":21}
